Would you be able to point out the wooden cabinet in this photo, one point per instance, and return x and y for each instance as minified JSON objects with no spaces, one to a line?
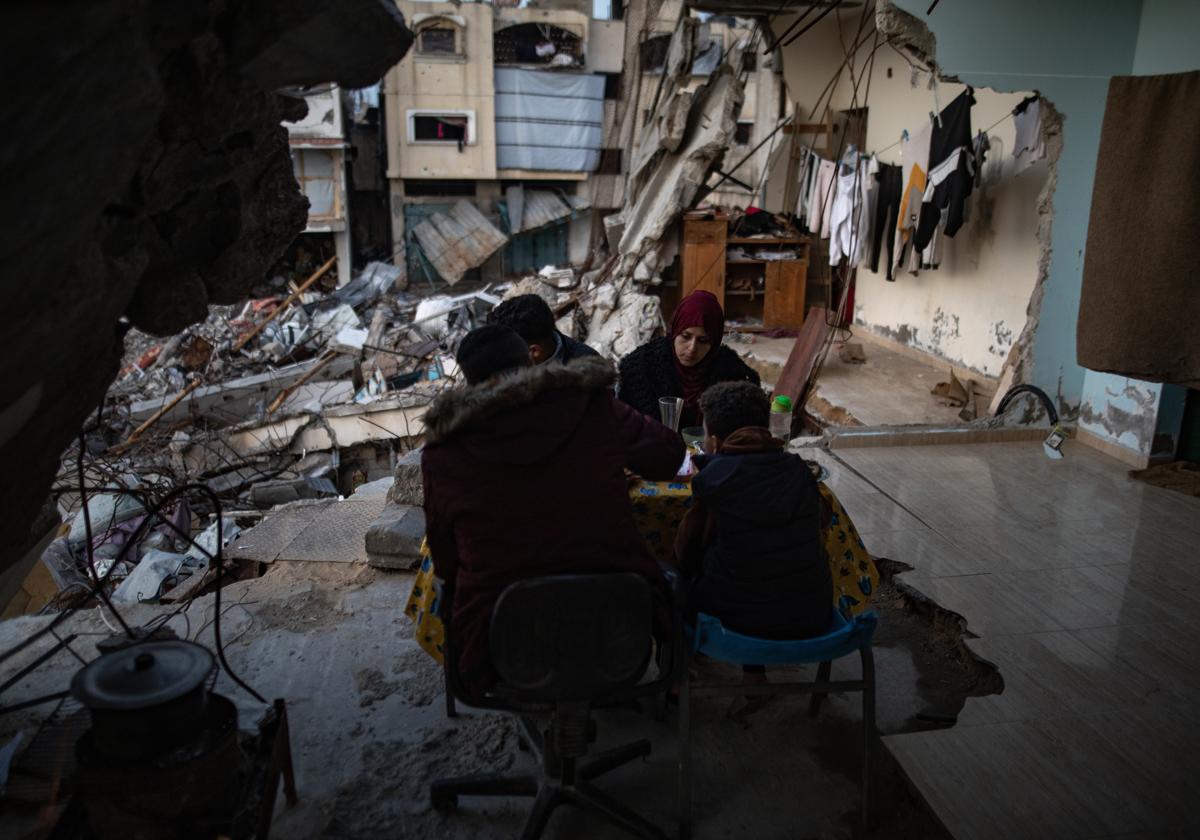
{"x":703,"y":258}
{"x":776,"y":288}
{"x":783,"y":300}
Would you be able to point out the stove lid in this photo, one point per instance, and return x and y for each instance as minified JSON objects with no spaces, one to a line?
{"x":142,"y":676}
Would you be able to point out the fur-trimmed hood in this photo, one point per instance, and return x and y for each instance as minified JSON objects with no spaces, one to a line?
{"x":466,"y":406}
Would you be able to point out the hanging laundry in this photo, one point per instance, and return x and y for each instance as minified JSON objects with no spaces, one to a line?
{"x":821,"y":199}
{"x":1029,"y":146}
{"x":848,"y":213}
{"x":951,"y":141}
{"x":914,"y":158}
{"x":889,"y":185}
{"x":982,"y":146}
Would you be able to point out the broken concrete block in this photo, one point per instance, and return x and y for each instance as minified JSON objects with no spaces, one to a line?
{"x":268,"y":494}
{"x":393,"y":540}
{"x":852,"y":353}
{"x":409,"y":487}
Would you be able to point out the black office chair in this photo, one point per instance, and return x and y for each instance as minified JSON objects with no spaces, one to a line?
{"x":562,"y":646}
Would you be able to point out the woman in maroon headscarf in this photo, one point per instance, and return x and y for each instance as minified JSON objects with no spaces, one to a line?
{"x":683,"y":363}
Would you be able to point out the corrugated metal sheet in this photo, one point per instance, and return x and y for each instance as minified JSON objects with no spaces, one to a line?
{"x":530,"y":210}
{"x":541,"y":208}
{"x":458,"y":241}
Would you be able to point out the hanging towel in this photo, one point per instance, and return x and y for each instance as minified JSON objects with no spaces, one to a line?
{"x":1140,"y":303}
{"x":1029,"y":146}
{"x":821,"y":200}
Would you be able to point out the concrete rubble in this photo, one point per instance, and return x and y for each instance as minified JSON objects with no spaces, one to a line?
{"x":278,"y":408}
{"x":163,"y":186}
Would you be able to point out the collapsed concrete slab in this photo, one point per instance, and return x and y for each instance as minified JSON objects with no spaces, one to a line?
{"x":689,"y":136}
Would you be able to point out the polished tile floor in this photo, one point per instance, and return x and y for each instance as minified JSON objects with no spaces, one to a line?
{"x":1083,"y":587}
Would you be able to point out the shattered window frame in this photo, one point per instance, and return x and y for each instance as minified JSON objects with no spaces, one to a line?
{"x":509,"y":47}
{"x":440,"y":26}
{"x":652,"y":53}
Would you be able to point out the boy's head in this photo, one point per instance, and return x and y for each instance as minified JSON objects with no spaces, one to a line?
{"x":490,"y":350}
{"x":530,"y":317}
{"x":729,"y":406}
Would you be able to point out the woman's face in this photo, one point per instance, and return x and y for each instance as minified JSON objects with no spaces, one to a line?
{"x":691,"y":346}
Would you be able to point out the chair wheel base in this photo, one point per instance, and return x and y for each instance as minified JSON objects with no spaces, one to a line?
{"x":444,"y":803}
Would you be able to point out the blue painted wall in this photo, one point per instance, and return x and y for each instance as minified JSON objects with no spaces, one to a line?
{"x":1066,"y":50}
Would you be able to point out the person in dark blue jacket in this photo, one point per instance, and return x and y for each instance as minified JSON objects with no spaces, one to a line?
{"x":751,"y":542}
{"x":530,"y":317}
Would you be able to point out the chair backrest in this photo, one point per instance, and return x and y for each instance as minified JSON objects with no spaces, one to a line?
{"x":572,"y":637}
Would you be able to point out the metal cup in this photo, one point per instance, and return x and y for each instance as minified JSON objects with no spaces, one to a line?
{"x":669,"y":410}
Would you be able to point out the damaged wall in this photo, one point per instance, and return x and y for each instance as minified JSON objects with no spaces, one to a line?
{"x":148,"y":176}
{"x":971,"y":310}
{"x":1069,"y":56}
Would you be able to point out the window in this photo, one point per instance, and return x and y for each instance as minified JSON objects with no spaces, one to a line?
{"x":610,"y":162}
{"x":654,"y":53}
{"x":750,"y":59}
{"x":438,"y":40}
{"x":743,"y":133}
{"x":450,"y":127}
{"x":537,"y":43}
{"x":706,"y":60}
{"x":612,"y":85}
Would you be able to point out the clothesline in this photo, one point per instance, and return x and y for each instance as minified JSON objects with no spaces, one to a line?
{"x":985,"y":131}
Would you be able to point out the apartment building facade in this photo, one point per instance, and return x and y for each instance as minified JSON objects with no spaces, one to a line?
{"x":525,"y":113}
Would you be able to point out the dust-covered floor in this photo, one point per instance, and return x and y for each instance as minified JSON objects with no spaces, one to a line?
{"x":369,"y":728}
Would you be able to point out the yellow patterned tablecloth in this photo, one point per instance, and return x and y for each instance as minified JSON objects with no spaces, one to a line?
{"x":658,"y":508}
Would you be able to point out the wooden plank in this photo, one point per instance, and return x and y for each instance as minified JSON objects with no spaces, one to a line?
{"x":783,"y":301}
{"x":793,"y":381}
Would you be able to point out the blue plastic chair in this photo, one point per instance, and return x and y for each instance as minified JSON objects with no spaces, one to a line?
{"x":845,"y":636}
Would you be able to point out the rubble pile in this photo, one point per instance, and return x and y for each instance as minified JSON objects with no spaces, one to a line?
{"x":295,"y":396}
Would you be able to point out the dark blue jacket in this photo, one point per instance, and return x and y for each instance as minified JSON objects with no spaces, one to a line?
{"x":572,"y":349}
{"x":765,"y":574}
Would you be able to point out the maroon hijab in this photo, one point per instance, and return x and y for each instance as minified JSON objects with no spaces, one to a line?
{"x":699,"y":309}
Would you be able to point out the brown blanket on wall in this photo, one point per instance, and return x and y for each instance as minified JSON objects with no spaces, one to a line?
{"x":1139,"y":312}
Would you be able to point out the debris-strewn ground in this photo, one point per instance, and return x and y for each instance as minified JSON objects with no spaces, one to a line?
{"x":369,"y":729}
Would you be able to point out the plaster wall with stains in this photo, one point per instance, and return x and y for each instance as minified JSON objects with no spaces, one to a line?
{"x":971,"y":309}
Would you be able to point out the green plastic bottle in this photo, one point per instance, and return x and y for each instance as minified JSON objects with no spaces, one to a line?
{"x":781,"y":417}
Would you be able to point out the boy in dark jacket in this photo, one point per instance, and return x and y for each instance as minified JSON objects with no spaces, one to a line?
{"x":530,"y":317}
{"x":751,"y":541}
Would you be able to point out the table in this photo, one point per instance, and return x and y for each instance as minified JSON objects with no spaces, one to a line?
{"x":658,"y":509}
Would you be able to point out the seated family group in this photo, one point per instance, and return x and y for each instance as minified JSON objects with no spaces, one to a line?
{"x":526,"y":474}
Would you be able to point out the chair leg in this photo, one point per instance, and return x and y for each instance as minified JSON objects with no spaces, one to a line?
{"x":444,"y":793}
{"x":814,"y":705}
{"x":451,"y":711}
{"x":869,"y":738}
{"x":601,"y":763}
{"x":685,"y":757}
{"x":548,"y":798}
{"x":529,"y":737}
{"x":598,"y":802}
